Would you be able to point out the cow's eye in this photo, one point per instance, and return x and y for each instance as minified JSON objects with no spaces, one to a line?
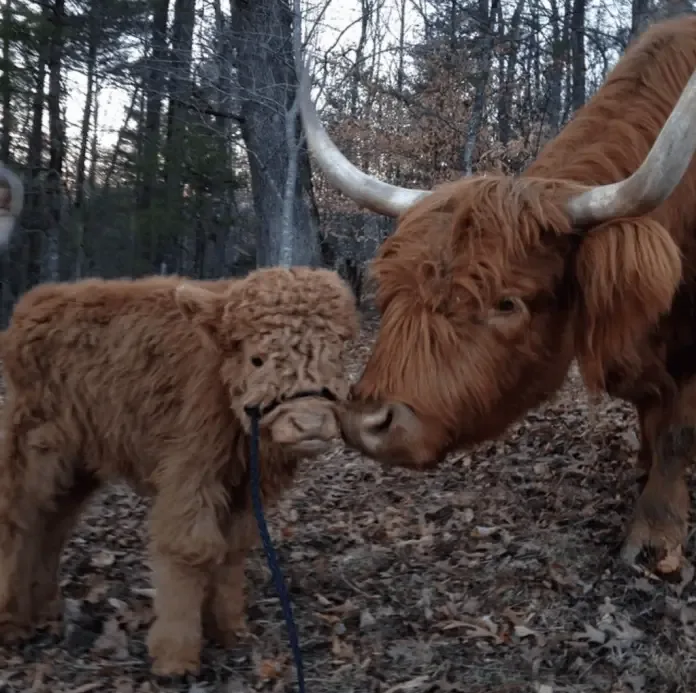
{"x":507,"y":305}
{"x":256,"y":361}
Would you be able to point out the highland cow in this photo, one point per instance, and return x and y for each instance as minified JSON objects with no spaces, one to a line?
{"x":492,"y":285}
{"x":150,"y":381}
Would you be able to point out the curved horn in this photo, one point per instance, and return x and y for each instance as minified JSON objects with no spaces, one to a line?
{"x":11,"y":203}
{"x":658,"y":175}
{"x":364,"y":189}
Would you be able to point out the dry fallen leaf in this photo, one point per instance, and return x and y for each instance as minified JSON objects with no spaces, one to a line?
{"x":113,"y":640}
{"x":340,"y":649}
{"x":592,"y":634}
{"x":412,"y":685}
{"x":671,"y":562}
{"x":270,"y":669}
{"x":523,"y":632}
{"x":86,"y":687}
{"x":103,"y":559}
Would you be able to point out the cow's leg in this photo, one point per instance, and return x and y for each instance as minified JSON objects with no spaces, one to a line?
{"x":187,"y":546}
{"x":53,"y":531}
{"x":660,"y":520}
{"x":649,"y":418}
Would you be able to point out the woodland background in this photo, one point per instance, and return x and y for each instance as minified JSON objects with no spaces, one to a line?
{"x":161,"y":136}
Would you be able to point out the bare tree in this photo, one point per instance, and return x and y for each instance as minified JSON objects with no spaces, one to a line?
{"x":94,"y":25}
{"x":271,"y":131}
{"x":577,"y":38}
{"x":487,"y":14}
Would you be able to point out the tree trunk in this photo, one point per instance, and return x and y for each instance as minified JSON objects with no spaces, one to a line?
{"x":476,"y":118}
{"x":59,"y":242}
{"x":268,"y":82}
{"x":81,"y":173}
{"x":577,"y":36}
{"x":154,"y":90}
{"x":35,"y":212}
{"x":177,"y":131}
{"x":505,"y":94}
{"x":555,"y":72}
{"x":640,"y":17}
{"x":6,"y":85}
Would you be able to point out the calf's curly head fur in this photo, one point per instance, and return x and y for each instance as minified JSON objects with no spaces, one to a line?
{"x":282,"y":334}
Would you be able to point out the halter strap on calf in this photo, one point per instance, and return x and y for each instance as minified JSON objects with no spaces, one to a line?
{"x":271,"y":557}
{"x":324,"y":393}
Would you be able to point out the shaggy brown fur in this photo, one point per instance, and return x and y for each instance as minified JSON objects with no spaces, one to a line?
{"x":147,"y":381}
{"x":487,"y":293}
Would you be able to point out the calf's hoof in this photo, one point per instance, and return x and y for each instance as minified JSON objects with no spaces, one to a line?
{"x":228,"y":635}
{"x":174,"y":653}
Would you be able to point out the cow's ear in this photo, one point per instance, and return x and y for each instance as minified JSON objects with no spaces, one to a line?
{"x":628,"y":273}
{"x":203,"y":309}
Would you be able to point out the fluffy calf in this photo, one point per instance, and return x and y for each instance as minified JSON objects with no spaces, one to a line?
{"x":149,"y":381}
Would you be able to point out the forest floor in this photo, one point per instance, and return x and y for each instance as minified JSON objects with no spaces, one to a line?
{"x":498,"y":572}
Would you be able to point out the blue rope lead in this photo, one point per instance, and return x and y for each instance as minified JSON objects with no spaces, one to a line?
{"x":255,"y":472}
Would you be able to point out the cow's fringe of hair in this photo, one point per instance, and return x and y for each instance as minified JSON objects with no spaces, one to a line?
{"x":628,"y":271}
{"x":430,"y":351}
{"x":523,"y":214}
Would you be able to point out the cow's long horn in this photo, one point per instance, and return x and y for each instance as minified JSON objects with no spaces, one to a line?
{"x":658,"y":175}
{"x":364,"y":189}
{"x":11,"y":208}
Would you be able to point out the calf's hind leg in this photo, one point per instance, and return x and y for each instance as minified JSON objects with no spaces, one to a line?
{"x":33,"y":474}
{"x":53,"y":532}
{"x":16,"y":561}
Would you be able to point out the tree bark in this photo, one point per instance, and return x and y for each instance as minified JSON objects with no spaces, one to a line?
{"x":487,"y":15}
{"x":577,"y":35}
{"x":59,"y":241}
{"x":505,"y":94}
{"x":81,"y":173}
{"x":178,"y":117}
{"x":154,"y":92}
{"x":268,"y":82}
{"x":6,"y":85}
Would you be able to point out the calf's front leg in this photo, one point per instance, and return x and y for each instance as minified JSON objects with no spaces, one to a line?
{"x":186,"y":547}
{"x":225,"y":613}
{"x":175,"y":638}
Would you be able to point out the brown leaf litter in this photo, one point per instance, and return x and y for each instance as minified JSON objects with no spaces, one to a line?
{"x":496,"y":573}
